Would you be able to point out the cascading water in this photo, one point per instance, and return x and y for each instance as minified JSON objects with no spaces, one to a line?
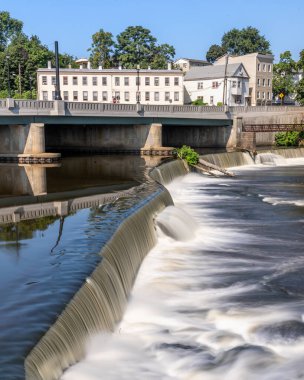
{"x":228,"y":160}
{"x":226,"y":304}
{"x":269,"y":159}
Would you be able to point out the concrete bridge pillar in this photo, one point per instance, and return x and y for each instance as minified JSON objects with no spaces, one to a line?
{"x":154,"y":137}
{"x":35,"y":142}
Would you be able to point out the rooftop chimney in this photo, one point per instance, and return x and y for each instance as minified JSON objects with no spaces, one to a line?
{"x":169,"y":65}
{"x":81,"y":67}
{"x":99,"y":67}
{"x":120,"y":67}
{"x":49,"y":66}
{"x":89,"y":65}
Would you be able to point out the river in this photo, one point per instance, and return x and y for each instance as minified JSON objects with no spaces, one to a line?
{"x":221,"y":295}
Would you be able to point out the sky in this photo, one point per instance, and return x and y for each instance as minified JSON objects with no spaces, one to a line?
{"x":191,"y":26}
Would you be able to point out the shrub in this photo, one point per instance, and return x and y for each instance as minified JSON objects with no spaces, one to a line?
{"x":219,"y":104}
{"x":199,"y":102}
{"x":188,"y":154}
{"x":289,"y":138}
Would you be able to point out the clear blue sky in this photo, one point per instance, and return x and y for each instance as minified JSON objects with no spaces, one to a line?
{"x":191,"y":26}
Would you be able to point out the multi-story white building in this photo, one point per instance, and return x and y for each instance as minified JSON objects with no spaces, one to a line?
{"x":218,"y":84}
{"x":185,"y":64}
{"x":113,"y":85}
{"x":260,"y":70}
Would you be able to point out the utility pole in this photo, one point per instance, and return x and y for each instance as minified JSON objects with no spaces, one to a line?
{"x":57,"y":86}
{"x":225,"y":82}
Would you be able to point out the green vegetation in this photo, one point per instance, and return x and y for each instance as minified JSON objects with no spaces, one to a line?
{"x":188,"y":154}
{"x":239,"y":42}
{"x":289,"y":138}
{"x":199,"y":102}
{"x":219,"y":104}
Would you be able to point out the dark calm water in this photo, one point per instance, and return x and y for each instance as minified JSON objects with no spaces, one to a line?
{"x":44,"y":261}
{"x":229,"y":302}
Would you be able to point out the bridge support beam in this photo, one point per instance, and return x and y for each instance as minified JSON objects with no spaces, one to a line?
{"x":154,"y":137}
{"x":35,"y":142}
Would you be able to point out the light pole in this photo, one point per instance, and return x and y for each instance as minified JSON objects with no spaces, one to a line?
{"x":137,"y":97}
{"x":8,"y":77}
{"x":57,"y":86}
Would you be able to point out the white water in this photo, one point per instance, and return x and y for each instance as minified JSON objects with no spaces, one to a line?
{"x":182,"y":322}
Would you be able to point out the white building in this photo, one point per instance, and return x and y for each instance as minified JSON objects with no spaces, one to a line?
{"x":185,"y":64}
{"x":112,"y":85}
{"x":208,"y":84}
{"x":260,"y":70}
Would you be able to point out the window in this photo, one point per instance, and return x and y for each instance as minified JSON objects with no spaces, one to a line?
{"x":94,"y":81}
{"x":65,"y":81}
{"x":147,"y":96}
{"x":200,"y":85}
{"x":147,"y":81}
{"x":211,"y":100}
{"x":53,"y":80}
{"x":75,"y":81}
{"x":264,"y":82}
{"x":176,"y":81}
{"x":176,"y":96}
{"x":104,"y":95}
{"x":258,"y":94}
{"x":66,"y":95}
{"x":117,"y":81}
{"x":44,"y":95}
{"x":138,"y":96}
{"x":201,"y":97}
{"x":268,"y":95}
{"x":95,"y":96}
{"x":268,"y":82}
{"x":156,"y":81}
{"x":75,"y":95}
{"x":259,"y":67}
{"x":167,"y":81}
{"x":85,"y":96}
{"x":167,"y":96}
{"x":156,"y":96}
{"x":127,"y":95}
{"x":264,"y":67}
{"x":185,"y":65}
{"x":104,"y":81}
{"x":269,"y":68}
{"x":137,"y":81}
{"x":44,"y":80}
{"x":127,"y":81}
{"x":259,"y":81}
{"x":117,"y":95}
{"x":215,"y":84}
{"x":234,"y":84}
{"x":53,"y":95}
{"x":239,"y":84}
{"x":84,"y":81}
{"x":263,"y":95}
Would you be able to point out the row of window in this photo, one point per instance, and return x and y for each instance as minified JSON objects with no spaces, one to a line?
{"x":117,"y":80}
{"x":200,"y":85}
{"x":104,"y":96}
{"x":237,"y":99}
{"x":263,"y":82}
{"x":264,"y":67}
{"x":263,"y":94}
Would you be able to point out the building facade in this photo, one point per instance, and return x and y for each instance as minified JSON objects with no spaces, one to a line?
{"x":217,"y":85}
{"x":185,"y":64}
{"x":260,"y":70}
{"x":112,"y":85}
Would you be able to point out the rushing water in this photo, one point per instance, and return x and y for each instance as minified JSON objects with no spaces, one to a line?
{"x":224,"y":300}
{"x":45,"y":261}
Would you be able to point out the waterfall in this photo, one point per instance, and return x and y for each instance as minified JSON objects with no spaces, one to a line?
{"x":289,"y":152}
{"x":100,"y":302}
{"x":269,"y":159}
{"x":228,"y":160}
{"x":168,"y":171}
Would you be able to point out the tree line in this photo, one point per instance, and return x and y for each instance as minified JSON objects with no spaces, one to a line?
{"x":21,"y":56}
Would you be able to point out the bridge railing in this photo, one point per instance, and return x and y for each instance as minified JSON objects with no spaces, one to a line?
{"x":2,"y":103}
{"x":34,"y":104}
{"x":261,"y":109}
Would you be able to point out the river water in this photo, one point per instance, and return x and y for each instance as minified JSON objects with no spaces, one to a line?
{"x":221,"y":296}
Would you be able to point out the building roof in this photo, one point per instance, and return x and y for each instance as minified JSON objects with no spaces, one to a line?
{"x":194,"y":60}
{"x":109,"y":71}
{"x":214,"y":72}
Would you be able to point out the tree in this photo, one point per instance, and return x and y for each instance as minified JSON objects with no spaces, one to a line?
{"x":9,"y":28}
{"x":300,"y":92}
{"x":101,"y":49}
{"x":283,"y":75}
{"x":215,"y":52}
{"x":136,"y":46}
{"x":239,"y":42}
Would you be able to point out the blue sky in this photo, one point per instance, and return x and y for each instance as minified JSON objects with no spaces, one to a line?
{"x":191,"y":26}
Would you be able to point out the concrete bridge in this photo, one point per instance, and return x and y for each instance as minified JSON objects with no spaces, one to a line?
{"x":27,"y":127}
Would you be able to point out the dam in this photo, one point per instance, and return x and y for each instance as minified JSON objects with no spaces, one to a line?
{"x":216,"y":262}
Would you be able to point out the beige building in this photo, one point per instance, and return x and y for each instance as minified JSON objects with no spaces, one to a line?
{"x":119,"y":85}
{"x":185,"y":64}
{"x":260,"y":70}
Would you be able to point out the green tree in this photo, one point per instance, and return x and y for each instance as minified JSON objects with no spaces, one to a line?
{"x":239,"y":42}
{"x":136,"y":46}
{"x":215,"y":52}
{"x":300,"y":92}
{"x":9,"y":28}
{"x":283,"y":73}
{"x":101,"y":49}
